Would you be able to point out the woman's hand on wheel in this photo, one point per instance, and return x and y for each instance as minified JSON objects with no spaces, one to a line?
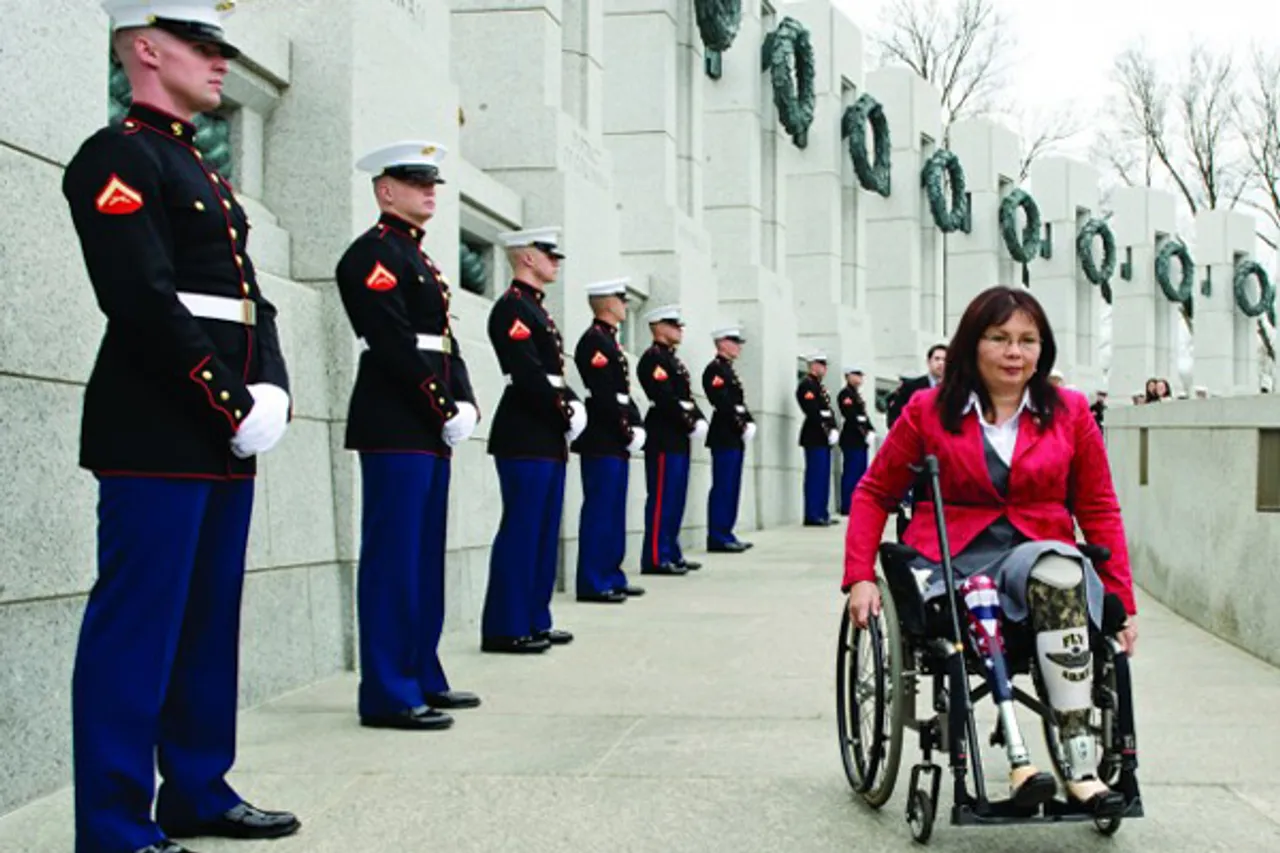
{"x":864,"y":602}
{"x":1128,"y":636}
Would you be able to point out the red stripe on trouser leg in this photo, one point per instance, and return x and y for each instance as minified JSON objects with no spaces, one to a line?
{"x":657,"y":509}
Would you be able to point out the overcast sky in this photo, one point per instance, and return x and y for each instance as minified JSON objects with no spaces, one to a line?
{"x":1065,"y":50}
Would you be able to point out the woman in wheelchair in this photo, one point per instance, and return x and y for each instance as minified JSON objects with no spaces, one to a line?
{"x":1017,"y":459}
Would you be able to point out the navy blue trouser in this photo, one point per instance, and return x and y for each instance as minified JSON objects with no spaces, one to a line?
{"x":156,"y":670}
{"x":855,"y":465}
{"x":667,"y":479}
{"x":522,"y":563}
{"x":400,"y":584}
{"x":817,"y":483}
{"x":726,"y":491}
{"x":602,"y":525}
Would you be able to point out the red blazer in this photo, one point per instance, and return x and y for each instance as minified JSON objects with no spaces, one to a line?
{"x":1056,"y":472}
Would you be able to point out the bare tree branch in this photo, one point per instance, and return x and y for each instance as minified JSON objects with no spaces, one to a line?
{"x":1189,"y":130}
{"x":962,"y":51}
{"x":1043,"y":131}
{"x":1259,"y":125}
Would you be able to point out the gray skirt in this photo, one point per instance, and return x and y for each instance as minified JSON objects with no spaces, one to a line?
{"x":1010,"y":567}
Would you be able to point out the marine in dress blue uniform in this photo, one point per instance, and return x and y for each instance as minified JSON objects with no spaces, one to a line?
{"x":671,"y":424}
{"x":411,"y":405}
{"x":731,"y":428}
{"x":613,"y":433}
{"x":818,"y":435}
{"x":853,"y":435}
{"x":188,"y":387}
{"x":536,"y":419}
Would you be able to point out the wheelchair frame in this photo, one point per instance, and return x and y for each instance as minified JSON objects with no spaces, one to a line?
{"x":902,"y":652}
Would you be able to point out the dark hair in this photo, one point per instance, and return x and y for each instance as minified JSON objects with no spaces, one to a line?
{"x":934,"y":349}
{"x":993,"y":307}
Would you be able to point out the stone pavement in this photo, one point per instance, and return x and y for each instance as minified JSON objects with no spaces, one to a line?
{"x":701,"y":718}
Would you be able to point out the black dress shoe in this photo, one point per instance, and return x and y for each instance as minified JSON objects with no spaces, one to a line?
{"x":165,"y":847}
{"x":613,"y":596}
{"x":689,"y":565}
{"x":418,"y":719}
{"x":514,"y":645}
{"x":452,"y":700}
{"x":633,"y":591}
{"x":726,"y":548}
{"x":244,"y":822}
{"x":664,"y":569}
{"x":746,"y":545}
{"x":556,"y":637}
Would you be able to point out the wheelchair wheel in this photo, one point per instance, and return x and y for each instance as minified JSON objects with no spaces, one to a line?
{"x":1103,"y":724}
{"x":870,"y":702}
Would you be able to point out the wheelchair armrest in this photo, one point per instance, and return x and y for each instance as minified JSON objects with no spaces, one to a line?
{"x":896,"y":554}
{"x":1096,"y":553}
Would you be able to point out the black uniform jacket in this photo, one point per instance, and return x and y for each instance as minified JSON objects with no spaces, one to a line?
{"x":405,"y":388}
{"x":168,"y":389}
{"x":853,"y":435}
{"x":729,"y":416}
{"x":611,"y":413}
{"x":533,"y":415}
{"x":819,"y":419}
{"x":901,"y":395}
{"x":672,"y":412}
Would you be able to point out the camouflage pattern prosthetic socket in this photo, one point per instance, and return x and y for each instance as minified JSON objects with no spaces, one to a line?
{"x":1062,"y":614}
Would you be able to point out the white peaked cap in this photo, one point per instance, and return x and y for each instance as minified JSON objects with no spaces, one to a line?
{"x":546,"y":238}
{"x":728,"y":332}
{"x":612,"y":287}
{"x":664,"y":314}
{"x":410,"y":159}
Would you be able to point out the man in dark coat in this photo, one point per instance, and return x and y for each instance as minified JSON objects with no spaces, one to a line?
{"x":411,"y":405}
{"x":536,"y":419}
{"x":614,"y":431}
{"x":672,"y":423}
{"x":818,"y":434}
{"x":731,"y":428}
{"x":189,"y":388}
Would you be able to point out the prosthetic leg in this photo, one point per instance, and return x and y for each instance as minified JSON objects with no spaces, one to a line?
{"x":1055,"y":597}
{"x":1030,"y":787}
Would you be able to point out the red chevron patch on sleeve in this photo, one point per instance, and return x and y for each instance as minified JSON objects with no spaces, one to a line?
{"x":808,"y":395}
{"x":380,"y":279}
{"x":659,"y":374}
{"x":599,"y":360}
{"x":519,"y":331}
{"x":118,"y":198}
{"x":717,"y":382}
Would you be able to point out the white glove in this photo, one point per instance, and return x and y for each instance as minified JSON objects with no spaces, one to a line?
{"x":460,"y":427}
{"x":833,"y":437}
{"x":749,"y":432}
{"x":266,"y":422}
{"x":699,"y":429}
{"x":637,"y":439}
{"x":577,"y":420}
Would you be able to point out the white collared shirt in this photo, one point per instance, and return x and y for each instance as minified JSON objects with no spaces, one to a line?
{"x":1003,"y":437}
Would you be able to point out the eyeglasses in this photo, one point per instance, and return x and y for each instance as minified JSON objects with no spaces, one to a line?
{"x":1002,"y":341}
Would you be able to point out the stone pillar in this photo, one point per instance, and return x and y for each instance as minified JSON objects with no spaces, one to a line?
{"x":1141,"y":316}
{"x":654,"y":86}
{"x":1066,"y":191}
{"x":743,"y":194}
{"x":826,"y":205}
{"x":903,"y":245}
{"x":1225,"y":342}
{"x":978,"y":260}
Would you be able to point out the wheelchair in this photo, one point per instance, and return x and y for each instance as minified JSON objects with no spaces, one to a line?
{"x":879,"y":672}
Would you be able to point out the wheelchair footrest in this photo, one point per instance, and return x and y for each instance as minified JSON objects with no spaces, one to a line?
{"x":975,"y":813}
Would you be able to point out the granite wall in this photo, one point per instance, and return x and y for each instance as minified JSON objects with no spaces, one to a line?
{"x":1197,"y":539}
